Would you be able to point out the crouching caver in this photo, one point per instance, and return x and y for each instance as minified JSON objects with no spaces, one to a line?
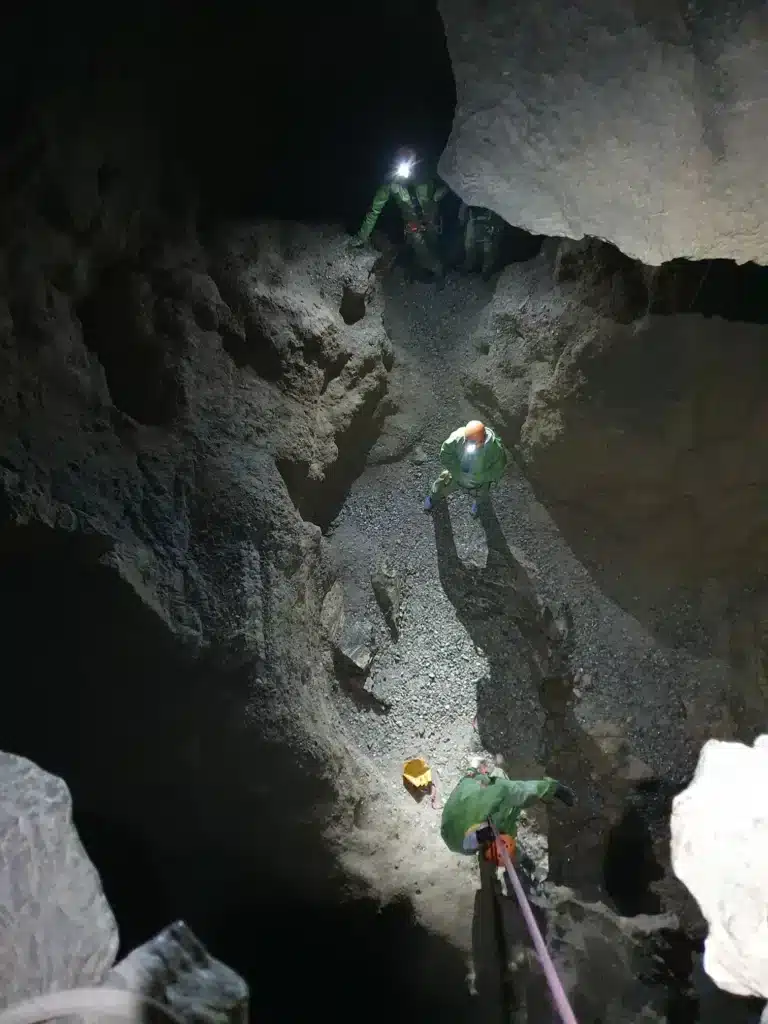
{"x":481,"y":797}
{"x":474,"y":459}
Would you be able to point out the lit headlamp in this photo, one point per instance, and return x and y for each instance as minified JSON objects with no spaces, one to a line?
{"x":404,"y":168}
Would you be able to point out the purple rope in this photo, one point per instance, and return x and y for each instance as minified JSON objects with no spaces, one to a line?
{"x":555,"y":985}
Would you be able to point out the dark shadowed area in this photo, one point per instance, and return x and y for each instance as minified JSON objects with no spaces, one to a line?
{"x":283,"y":111}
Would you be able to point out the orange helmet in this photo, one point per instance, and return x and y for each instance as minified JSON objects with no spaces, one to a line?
{"x":475,"y":432}
{"x":492,"y":854}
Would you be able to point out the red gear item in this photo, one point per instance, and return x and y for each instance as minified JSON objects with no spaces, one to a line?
{"x":491,"y":852}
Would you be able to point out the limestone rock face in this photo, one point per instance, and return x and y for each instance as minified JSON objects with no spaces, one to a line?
{"x":610,"y":966}
{"x":719,"y":851}
{"x":351,"y":636}
{"x":175,"y":431}
{"x":56,"y":928}
{"x":606,"y":962}
{"x":668,"y":421}
{"x":176,"y":970}
{"x":643,"y":125}
{"x":644,"y":436}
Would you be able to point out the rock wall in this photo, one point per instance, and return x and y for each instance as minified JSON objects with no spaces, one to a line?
{"x":640,"y":124}
{"x":59,"y":938}
{"x":167,"y":402}
{"x":182,"y":416}
{"x":178,"y":972}
{"x":648,"y":443}
{"x":643,"y":437}
{"x":720,"y":859}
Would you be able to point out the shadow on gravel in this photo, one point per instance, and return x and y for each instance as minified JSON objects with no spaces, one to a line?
{"x":352,"y":683}
{"x":522,"y":639}
{"x":525,"y":704}
{"x":508,"y":981}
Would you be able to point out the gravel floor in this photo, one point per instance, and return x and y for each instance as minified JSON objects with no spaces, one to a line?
{"x":432,"y":676}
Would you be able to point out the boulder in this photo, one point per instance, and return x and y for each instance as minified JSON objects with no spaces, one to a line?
{"x":176,"y":970}
{"x":608,"y":964}
{"x":56,"y":928}
{"x":350,"y":635}
{"x":640,"y":124}
{"x":719,"y":851}
{"x":388,"y":590}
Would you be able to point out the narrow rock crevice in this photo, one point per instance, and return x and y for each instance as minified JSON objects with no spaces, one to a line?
{"x":120,"y":326}
{"x":252,"y":347}
{"x":736,"y":292}
{"x":352,"y":308}
{"x":629,"y":866}
{"x":626,"y":290}
{"x":319,"y":499}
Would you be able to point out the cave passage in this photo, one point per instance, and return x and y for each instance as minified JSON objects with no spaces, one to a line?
{"x":166,"y":809}
{"x":629,"y":866}
{"x":722,"y":288}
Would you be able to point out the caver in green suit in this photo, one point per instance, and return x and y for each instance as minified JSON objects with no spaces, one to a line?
{"x":474,"y":459}
{"x":481,"y":797}
{"x":417,"y":198}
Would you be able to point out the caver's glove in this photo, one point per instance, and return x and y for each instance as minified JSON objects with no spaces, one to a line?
{"x":565,"y":794}
{"x":477,"y":837}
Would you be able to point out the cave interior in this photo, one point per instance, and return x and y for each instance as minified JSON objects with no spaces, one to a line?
{"x":268,"y":114}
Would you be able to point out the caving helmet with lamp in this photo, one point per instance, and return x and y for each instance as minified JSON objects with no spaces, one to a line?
{"x":405,"y":162}
{"x":474,"y":435}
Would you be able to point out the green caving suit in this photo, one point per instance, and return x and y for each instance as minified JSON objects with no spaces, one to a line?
{"x":418,"y":204}
{"x":481,"y":471}
{"x":478,"y":797}
{"x":483,"y":232}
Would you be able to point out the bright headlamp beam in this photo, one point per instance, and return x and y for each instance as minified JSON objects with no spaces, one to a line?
{"x":404,"y":169}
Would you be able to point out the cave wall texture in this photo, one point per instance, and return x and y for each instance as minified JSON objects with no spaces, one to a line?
{"x":181,"y":415}
{"x":639,"y":123}
{"x":146,"y":528}
{"x":644,"y":436}
{"x":183,"y":409}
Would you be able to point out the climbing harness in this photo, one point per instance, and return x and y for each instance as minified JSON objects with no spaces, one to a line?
{"x":559,"y":997}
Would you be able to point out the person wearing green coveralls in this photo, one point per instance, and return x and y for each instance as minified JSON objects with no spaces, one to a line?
{"x":474,"y":459}
{"x":417,"y":197}
{"x":483,"y":232}
{"x":481,"y":797}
